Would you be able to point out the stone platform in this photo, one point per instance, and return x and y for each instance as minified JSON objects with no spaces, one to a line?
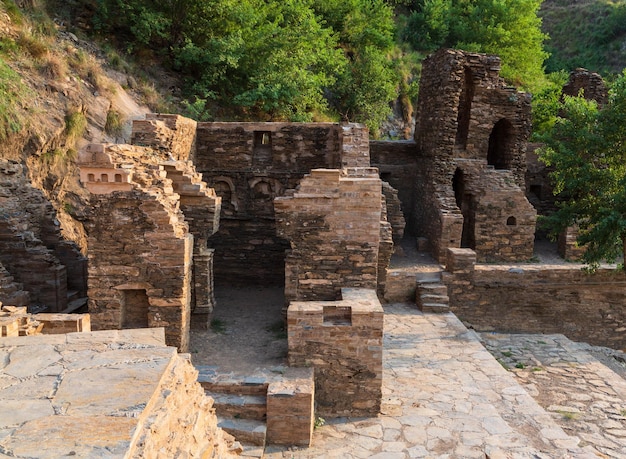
{"x":107,"y":394}
{"x":445,"y":396}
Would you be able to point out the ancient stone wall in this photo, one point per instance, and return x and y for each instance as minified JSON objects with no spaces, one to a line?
{"x":333,"y":222}
{"x":397,"y":163}
{"x":140,"y":248}
{"x":538,"y":299}
{"x":342,"y":341}
{"x":32,"y":250}
{"x":591,"y":84}
{"x":249,"y":164}
{"x":465,"y":112}
{"x":173,"y":134}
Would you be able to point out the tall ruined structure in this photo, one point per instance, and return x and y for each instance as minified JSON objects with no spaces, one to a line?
{"x":471,"y":135}
{"x":148,"y":220}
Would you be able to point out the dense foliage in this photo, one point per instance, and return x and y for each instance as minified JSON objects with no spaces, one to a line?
{"x":316,"y":59}
{"x":509,"y":28}
{"x":587,"y":148}
{"x":269,"y":59}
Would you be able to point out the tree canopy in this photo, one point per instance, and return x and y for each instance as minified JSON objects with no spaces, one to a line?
{"x":509,"y":28}
{"x":587,"y":149}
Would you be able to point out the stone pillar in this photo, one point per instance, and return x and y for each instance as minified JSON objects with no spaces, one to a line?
{"x":203,"y":300}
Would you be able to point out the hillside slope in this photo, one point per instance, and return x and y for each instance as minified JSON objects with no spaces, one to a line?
{"x":585,"y":33}
{"x":56,"y":96}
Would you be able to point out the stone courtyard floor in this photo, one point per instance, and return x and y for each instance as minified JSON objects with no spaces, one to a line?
{"x":446,"y":396}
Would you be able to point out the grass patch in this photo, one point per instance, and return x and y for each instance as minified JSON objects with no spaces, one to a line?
{"x":218,"y":326}
{"x":75,"y":127}
{"x":507,"y":353}
{"x":568,"y":415}
{"x":114,"y":125}
{"x":520,"y":365}
{"x":12,"y":95}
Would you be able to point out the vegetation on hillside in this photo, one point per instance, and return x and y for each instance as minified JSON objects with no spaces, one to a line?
{"x":309,"y":60}
{"x":586,"y":148}
{"x":589,"y":34}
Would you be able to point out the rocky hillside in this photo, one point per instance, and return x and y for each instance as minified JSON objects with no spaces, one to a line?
{"x":56,"y":96}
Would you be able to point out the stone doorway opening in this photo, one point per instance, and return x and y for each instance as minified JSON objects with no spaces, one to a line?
{"x":135,"y":308}
{"x":466,"y":203}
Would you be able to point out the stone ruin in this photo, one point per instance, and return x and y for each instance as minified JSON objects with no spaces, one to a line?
{"x":314,"y":207}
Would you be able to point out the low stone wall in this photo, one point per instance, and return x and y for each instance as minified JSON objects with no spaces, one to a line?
{"x":533,"y":298}
{"x":342,"y":341}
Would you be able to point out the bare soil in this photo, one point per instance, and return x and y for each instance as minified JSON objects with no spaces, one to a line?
{"x":247,"y":331}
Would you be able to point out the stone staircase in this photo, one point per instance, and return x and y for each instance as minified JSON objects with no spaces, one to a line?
{"x":241,"y":404}
{"x":431,"y":293}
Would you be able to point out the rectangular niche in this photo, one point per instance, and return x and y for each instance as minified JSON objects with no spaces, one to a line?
{"x":337,"y":315}
{"x":135,"y":306}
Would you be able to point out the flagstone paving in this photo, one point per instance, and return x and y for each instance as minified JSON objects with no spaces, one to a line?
{"x":582,"y":395}
{"x":444,"y":396}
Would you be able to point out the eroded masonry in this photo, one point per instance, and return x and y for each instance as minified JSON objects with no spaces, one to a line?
{"x":318,"y":209}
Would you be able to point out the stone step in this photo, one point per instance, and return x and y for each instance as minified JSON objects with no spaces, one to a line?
{"x":252,"y":407}
{"x":428,"y":277}
{"x":213,"y":381}
{"x":244,"y":430}
{"x":441,"y":299}
{"x":434,"y":307}
{"x":75,"y":305}
{"x":432,"y":288}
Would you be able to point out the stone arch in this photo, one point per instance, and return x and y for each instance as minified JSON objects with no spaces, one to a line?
{"x":104,"y":177}
{"x":225,"y":188}
{"x":511,"y":221}
{"x":500,"y":153}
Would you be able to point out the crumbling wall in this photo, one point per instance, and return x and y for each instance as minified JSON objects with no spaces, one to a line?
{"x":32,"y":250}
{"x":140,"y":248}
{"x":333,"y":222}
{"x":175,"y":135}
{"x":250,"y":164}
{"x":535,"y":298}
{"x":591,"y":84}
{"x":398,"y":165}
{"x":466,"y":112}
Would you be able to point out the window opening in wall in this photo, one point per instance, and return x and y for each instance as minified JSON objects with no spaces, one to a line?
{"x":91,"y":177}
{"x":500,"y":154}
{"x":337,"y":315}
{"x":104,"y":178}
{"x":465,"y":109}
{"x":135,"y":307}
{"x":511,"y":221}
{"x":262,"y":139}
{"x":118,"y":177}
{"x":262,"y":152}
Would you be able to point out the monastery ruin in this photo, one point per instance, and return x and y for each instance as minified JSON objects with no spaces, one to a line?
{"x":317,"y":209}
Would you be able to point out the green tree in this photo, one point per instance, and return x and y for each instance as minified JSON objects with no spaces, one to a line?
{"x":587,"y":148}
{"x":508,"y":28}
